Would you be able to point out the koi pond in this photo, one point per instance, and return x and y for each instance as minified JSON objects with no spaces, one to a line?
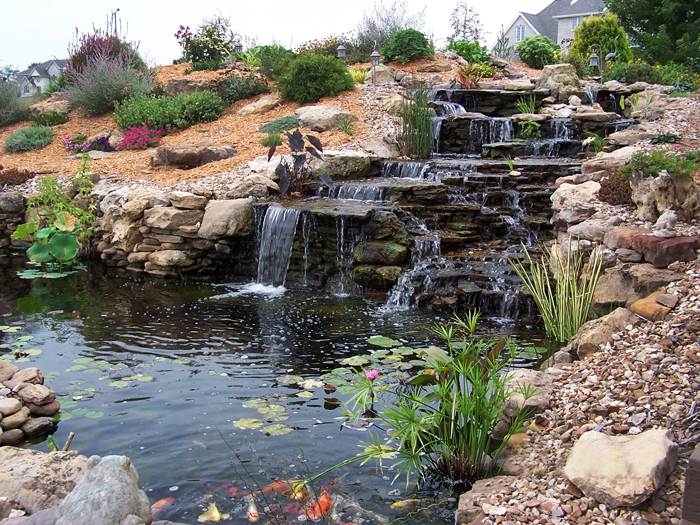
{"x":169,"y":372}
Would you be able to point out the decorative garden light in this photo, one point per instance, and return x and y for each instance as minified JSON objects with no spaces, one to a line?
{"x":237,"y":44}
{"x":341,"y":51}
{"x":594,"y":59}
{"x":375,"y":62}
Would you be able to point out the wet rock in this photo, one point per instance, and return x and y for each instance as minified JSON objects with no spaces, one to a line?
{"x":37,"y":394}
{"x":186,"y":200}
{"x":385,"y":225}
{"x":48,"y":409}
{"x":191,"y":155}
{"x":621,"y":470}
{"x":323,"y":118}
{"x":470,"y":502}
{"x":654,"y":195}
{"x":10,"y":437}
{"x":383,"y":253}
{"x":539,"y":382}
{"x":376,"y":277}
{"x":39,"y":426}
{"x":37,"y":480}
{"x":265,"y":104}
{"x":169,"y":218}
{"x":173,"y":258}
{"x":227,"y":218}
{"x":107,"y":494}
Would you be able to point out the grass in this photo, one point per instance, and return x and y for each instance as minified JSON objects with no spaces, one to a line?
{"x":346,"y":126}
{"x":416,"y":134}
{"x":272,"y":138}
{"x":358,"y":74}
{"x":524,"y":105}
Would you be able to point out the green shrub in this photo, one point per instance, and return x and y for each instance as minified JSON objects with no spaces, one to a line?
{"x":358,"y":74}
{"x":11,"y":107}
{"x":653,"y":160}
{"x":537,"y":51}
{"x":50,"y":119}
{"x":235,"y":88}
{"x":469,"y":51}
{"x":601,"y":32}
{"x":213,"y":41}
{"x":529,"y":129}
{"x":279,"y":125}
{"x":405,"y":45}
{"x":168,"y":112}
{"x":272,"y":138}
{"x":415,"y":138}
{"x":274,"y":60}
{"x":615,"y":189}
{"x":311,"y":77}
{"x":104,"y":81}
{"x":486,"y":70}
{"x":630,"y":73}
{"x":205,"y":65}
{"x":26,"y":139}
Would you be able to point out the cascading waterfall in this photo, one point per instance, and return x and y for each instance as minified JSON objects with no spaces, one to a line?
{"x":276,"y":239}
{"x":490,"y":130}
{"x":564,"y":128}
{"x":360,"y":193}
{"x":307,"y":226}
{"x":443,"y":109}
{"x":403,"y":169}
{"x":592,"y":95}
{"x":344,"y":259}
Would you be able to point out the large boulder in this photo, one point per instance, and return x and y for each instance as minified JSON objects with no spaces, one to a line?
{"x":322,"y":118}
{"x":384,"y":253}
{"x":561,"y":80}
{"x":37,"y":480}
{"x":376,"y":147}
{"x":654,"y":195}
{"x":11,"y":202}
{"x":661,"y":252}
{"x":54,"y":104}
{"x":376,"y":277}
{"x":646,"y":279}
{"x":385,"y":225}
{"x":595,"y":334}
{"x":265,"y":104}
{"x":187,"y":86}
{"x":621,"y":471}
{"x":567,"y":194}
{"x":108,"y":494}
{"x":609,"y":162}
{"x":540,"y":384}
{"x":191,"y":155}
{"x":341,"y":165}
{"x":169,"y":218}
{"x":227,"y":218}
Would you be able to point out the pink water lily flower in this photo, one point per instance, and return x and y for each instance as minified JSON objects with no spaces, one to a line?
{"x":371,"y":374}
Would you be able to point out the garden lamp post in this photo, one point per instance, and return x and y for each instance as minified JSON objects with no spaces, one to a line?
{"x":375,"y":62}
{"x":341,"y":51}
{"x":237,"y":45}
{"x":594,"y":59}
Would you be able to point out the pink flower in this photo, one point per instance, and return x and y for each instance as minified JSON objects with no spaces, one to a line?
{"x":371,"y":374}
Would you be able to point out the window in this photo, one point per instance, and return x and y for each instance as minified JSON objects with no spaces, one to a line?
{"x":575,"y":22}
{"x":519,"y":33}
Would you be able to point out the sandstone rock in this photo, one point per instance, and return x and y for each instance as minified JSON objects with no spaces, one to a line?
{"x":11,"y":202}
{"x":650,"y":309}
{"x":609,"y":161}
{"x":261,"y":166}
{"x":323,"y":118}
{"x":376,"y":277}
{"x":621,"y":470}
{"x":244,"y":189}
{"x":108,"y":494}
{"x":187,"y":86}
{"x":621,"y":237}
{"x":590,"y":338}
{"x":49,"y":409}
{"x":7,"y":370}
{"x":434,"y":67}
{"x":125,"y":234}
{"x":138,"y":257}
{"x":260,"y":180}
{"x":597,"y":116}
{"x":37,"y":394}
{"x":29,"y":375}
{"x":381,"y":75}
{"x":533,"y":117}
{"x":175,"y":258}
{"x":168,"y":218}
{"x":520,"y":84}
{"x":9,"y":406}
{"x":470,"y":502}
{"x":654,"y":195}
{"x":646,"y":279}
{"x":186,"y":200}
{"x":138,"y":201}
{"x":51,"y":105}
{"x":383,"y":253}
{"x":341,"y":165}
{"x":39,"y":426}
{"x":628,"y":256}
{"x":191,"y":155}
{"x":540,"y":382}
{"x":593,"y":229}
{"x":628,"y":137}
{"x":376,"y":147}
{"x":15,"y":420}
{"x":661,"y":252}
{"x":613,"y":289}
{"x":391,"y":103}
{"x":265,"y":104}
{"x":227,"y":218}
{"x":561,"y":80}
{"x":567,"y":194}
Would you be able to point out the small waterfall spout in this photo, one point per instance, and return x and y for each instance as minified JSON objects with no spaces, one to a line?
{"x":276,"y":240}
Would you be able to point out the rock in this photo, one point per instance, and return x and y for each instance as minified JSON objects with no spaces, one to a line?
{"x":590,"y":338}
{"x":385,"y":225}
{"x":376,"y":147}
{"x":29,"y":375}
{"x":470,"y":502}
{"x":11,"y":202}
{"x":169,"y":218}
{"x":176,"y":258}
{"x":187,"y":86}
{"x":621,"y":237}
{"x":51,"y":105}
{"x":595,"y":116}
{"x":613,"y":289}
{"x":227,"y":218}
{"x":661,"y":252}
{"x":37,"y":480}
{"x":10,"y":437}
{"x":561,"y":80}
{"x":260,"y":180}
{"x":650,"y":309}
{"x":532,"y":117}
{"x":138,"y":201}
{"x":519,"y":84}
{"x":668,"y":300}
{"x":511,"y":71}
{"x":567,"y":194}
{"x":341,"y":165}
{"x":7,"y":370}
{"x":37,"y":394}
{"x":628,"y":256}
{"x":628,"y":137}
{"x":9,"y":406}
{"x":49,"y":409}
{"x":667,"y":221}
{"x":244,"y":189}
{"x":654,"y":195}
{"x":383,"y":253}
{"x":593,"y":229}
{"x":191,"y":155}
{"x":621,"y":470}
{"x":322,"y":118}
{"x":265,"y":104}
{"x":434,"y":67}
{"x":108,"y":494}
{"x":540,"y":382}
{"x":39,"y":426}
{"x":646,"y":279}
{"x":650,"y":113}
{"x":15,"y":420}
{"x":186,"y":200}
{"x":125,"y":235}
{"x":575,"y":100}
{"x":609,"y":162}
{"x":375,"y":277}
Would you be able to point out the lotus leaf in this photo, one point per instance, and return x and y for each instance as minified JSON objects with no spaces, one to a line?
{"x":44,"y":233}
{"x":39,"y":252}
{"x":384,"y":342}
{"x":277,"y":430}
{"x":64,"y":246}
{"x":64,"y":221}
{"x":248,"y":423}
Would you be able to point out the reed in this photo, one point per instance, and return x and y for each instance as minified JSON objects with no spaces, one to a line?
{"x":416,"y":135}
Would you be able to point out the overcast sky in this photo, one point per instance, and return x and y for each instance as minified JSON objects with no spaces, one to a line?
{"x":39,"y":30}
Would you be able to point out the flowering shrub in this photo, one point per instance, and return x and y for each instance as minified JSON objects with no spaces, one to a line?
{"x":141,"y":137}
{"x":168,"y":112}
{"x":212,"y":43}
{"x":650,"y":161}
{"x":79,"y":144}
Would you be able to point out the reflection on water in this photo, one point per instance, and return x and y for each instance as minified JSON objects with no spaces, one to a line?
{"x":170,"y":364}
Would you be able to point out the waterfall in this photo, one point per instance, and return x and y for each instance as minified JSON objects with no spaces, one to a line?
{"x":490,"y":130}
{"x":404,"y":169}
{"x":592,"y":95}
{"x":344,"y":259}
{"x":442,"y":109}
{"x":276,"y":238}
{"x":360,"y":193}
{"x":564,"y":128}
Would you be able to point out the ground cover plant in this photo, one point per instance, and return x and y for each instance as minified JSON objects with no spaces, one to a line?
{"x":615,"y":189}
{"x":168,"y":113}
{"x":279,"y":125}
{"x":27,"y":139}
{"x":80,"y":144}
{"x":406,"y":45}
{"x":652,"y":160}
{"x":310,"y":77}
{"x":529,"y":129}
{"x":50,"y":119}
{"x":235,"y":88}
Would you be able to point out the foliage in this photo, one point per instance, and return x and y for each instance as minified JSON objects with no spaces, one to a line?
{"x":327,"y":46}
{"x":212,"y":42}
{"x":443,"y":420}
{"x":235,"y":88}
{"x":537,"y":51}
{"x":665,"y":30}
{"x":468,"y":75}
{"x":615,"y":189}
{"x":465,"y":24}
{"x":666,"y":138}
{"x":27,"y":139}
{"x":8,"y":74}
{"x":509,"y":162}
{"x":311,"y":77}
{"x":379,"y":27}
{"x":50,"y":119}
{"x":105,"y":81}
{"x":601,"y":32}
{"x":524,"y":105}
{"x":295,"y":177}
{"x":652,"y":160}
{"x":415,"y":138}
{"x":358,"y":74}
{"x":56,"y":85}
{"x":11,"y":107}
{"x":274,"y":60}
{"x":682,"y":78}
{"x":250,"y":58}
{"x":487,"y":70}
{"x":345,"y":125}
{"x":595,"y":141}
{"x":279,"y":125}
{"x":502,"y":48}
{"x":168,"y":113}
{"x":469,"y":51}
{"x":406,"y":45}
{"x":79,"y":144}
{"x":205,"y":65}
{"x":272,"y":138}
{"x":529,"y":129}
{"x":631,"y":72}
{"x":142,"y":137}
{"x":564,"y":308}
{"x":14,"y":176}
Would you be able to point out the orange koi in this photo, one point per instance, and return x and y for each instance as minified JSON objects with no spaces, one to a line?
{"x":160,"y":505}
{"x":230,"y":489}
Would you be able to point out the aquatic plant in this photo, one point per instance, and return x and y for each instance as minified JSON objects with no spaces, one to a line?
{"x":529,"y":129}
{"x":415,"y":137}
{"x":526,"y":105}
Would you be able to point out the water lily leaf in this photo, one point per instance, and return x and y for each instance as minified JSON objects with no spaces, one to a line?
{"x":69,"y":404}
{"x":403,"y":366}
{"x":94,"y":414}
{"x":277,"y":417}
{"x":337,"y":381}
{"x":271,"y":410}
{"x":79,"y":411}
{"x":104,"y":365}
{"x":247,"y":423}
{"x":160,"y":359}
{"x":403,"y":350}
{"x":63,"y":246}
{"x":22,"y":360}
{"x":356,"y":423}
{"x":277,"y":430}
{"x":144,"y":365}
{"x":119,"y":366}
{"x":62,"y":416}
{"x":384,"y":342}
{"x":32,"y":352}
{"x":10,"y":329}
{"x":92,"y":371}
{"x":340,"y":371}
{"x":255,"y":403}
{"x":305,"y":393}
{"x":331,"y":403}
{"x":51,"y":376}
{"x":75,"y":368}
{"x":310,"y":384}
{"x":83,"y":360}
{"x":181,"y":361}
{"x":329,"y":389}
{"x":118,"y":384}
{"x":275,"y":396}
{"x":25,"y":338}
{"x":393,"y":358}
{"x":355,"y":361}
{"x":289,"y":379}
{"x":435,"y":354}
{"x":144,"y":378}
{"x":378,"y":354}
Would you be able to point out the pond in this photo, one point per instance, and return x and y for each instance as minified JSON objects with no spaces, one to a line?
{"x":160,"y":371}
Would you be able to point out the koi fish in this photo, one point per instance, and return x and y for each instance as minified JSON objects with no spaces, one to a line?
{"x":212,"y":514}
{"x":159,"y":506}
{"x":293,"y":489}
{"x":253,"y":515}
{"x":412,"y":505}
{"x":230,"y":489}
{"x":322,"y":507}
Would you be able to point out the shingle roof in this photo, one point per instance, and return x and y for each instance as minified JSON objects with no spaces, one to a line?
{"x":42,"y":68}
{"x":547,"y":25}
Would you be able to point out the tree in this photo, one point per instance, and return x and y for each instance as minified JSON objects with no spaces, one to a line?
{"x":384,"y":22}
{"x":8,"y":74}
{"x":600,"y":32}
{"x":465,"y":24}
{"x":665,"y":30}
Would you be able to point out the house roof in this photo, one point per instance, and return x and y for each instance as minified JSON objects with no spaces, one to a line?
{"x":41,"y":70}
{"x":545,"y":22}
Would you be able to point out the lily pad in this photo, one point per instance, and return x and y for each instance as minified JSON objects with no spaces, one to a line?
{"x":104,"y":365}
{"x":255,"y":403}
{"x":310,"y":384}
{"x":83,"y":360}
{"x":25,"y":338}
{"x":393,"y":358}
{"x":336,"y":381}
{"x":33,"y":352}
{"x":289,"y":379}
{"x":271,"y":410}
{"x":384,"y":342}
{"x":160,"y":359}
{"x":62,"y":416}
{"x":92,"y":371}
{"x":331,"y":403}
{"x":181,"y":361}
{"x":22,"y":360}
{"x":305,"y":394}
{"x":69,"y":404}
{"x":10,"y":329}
{"x":79,"y":411}
{"x":119,"y":384}
{"x":275,"y":396}
{"x":144,"y":378}
{"x":277,"y":430}
{"x":247,"y":423}
{"x":403,"y":350}
{"x":94,"y":414}
{"x":51,"y":376}
{"x":355,"y":361}
{"x":277,"y":417}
